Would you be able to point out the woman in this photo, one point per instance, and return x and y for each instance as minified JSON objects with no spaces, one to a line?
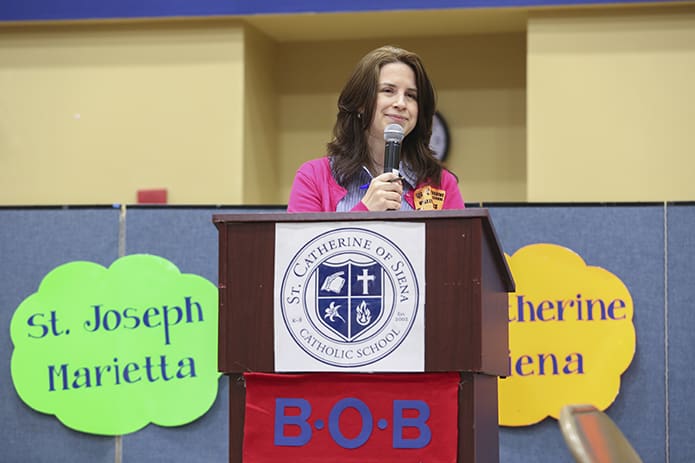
{"x":388,"y":86}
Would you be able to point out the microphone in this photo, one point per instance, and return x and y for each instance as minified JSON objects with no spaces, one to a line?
{"x":393,"y":135}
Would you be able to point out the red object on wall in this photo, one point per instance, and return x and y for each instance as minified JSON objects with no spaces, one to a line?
{"x":351,"y":418}
{"x":152,"y":196}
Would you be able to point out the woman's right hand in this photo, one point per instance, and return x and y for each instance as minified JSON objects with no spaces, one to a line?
{"x":385,"y":193}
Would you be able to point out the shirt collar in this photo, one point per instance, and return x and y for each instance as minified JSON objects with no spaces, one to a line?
{"x":408,"y":174}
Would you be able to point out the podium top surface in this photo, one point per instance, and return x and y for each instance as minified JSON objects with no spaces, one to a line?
{"x":471,"y":213}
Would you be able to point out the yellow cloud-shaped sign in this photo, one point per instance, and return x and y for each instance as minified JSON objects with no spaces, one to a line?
{"x":571,"y":335}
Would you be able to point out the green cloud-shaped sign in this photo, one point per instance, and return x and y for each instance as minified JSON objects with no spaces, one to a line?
{"x":108,"y":351}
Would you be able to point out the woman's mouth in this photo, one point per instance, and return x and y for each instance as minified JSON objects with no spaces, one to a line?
{"x":396,"y":118}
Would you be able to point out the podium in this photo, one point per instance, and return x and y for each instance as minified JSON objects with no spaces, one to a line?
{"x":466,"y":318}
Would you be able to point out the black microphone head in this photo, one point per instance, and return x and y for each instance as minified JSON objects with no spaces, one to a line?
{"x":394,"y":132}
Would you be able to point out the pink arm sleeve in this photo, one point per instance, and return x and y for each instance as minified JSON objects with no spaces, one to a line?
{"x":304,"y":195}
{"x":453,"y":198}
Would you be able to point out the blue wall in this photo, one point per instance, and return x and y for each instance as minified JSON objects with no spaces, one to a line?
{"x":650,"y":247}
{"x":37,"y":10}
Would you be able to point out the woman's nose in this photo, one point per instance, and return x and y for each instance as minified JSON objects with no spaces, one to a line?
{"x":400,"y":100}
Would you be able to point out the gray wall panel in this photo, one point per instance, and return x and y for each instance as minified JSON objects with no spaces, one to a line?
{"x":628,"y":242}
{"x":681,"y":330}
{"x":539,"y":443}
{"x":188,"y":238}
{"x":32,"y":243}
{"x":204,"y":440}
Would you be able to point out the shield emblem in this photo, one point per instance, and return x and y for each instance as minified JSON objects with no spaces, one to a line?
{"x":349,"y":297}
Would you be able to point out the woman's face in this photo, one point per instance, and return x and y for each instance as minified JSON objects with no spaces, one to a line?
{"x":396,"y":100}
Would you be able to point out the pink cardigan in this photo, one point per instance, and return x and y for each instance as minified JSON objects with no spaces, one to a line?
{"x":315,"y":190}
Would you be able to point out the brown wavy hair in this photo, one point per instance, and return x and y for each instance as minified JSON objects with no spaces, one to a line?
{"x":349,"y":150}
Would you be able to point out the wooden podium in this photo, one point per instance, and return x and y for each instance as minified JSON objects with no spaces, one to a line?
{"x":466,"y":319}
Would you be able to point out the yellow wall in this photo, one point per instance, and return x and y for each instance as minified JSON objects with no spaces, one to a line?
{"x":218,"y":113}
{"x":260,"y":179}
{"x":480,"y":82}
{"x":611,"y":105}
{"x":577,"y":105}
{"x":91,"y":113}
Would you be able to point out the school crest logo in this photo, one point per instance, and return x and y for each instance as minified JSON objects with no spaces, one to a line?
{"x":349,"y":297}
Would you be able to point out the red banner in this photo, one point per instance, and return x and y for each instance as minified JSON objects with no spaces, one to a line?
{"x":360,"y":418}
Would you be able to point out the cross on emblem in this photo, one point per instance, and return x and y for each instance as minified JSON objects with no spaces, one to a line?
{"x":365,"y":278}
